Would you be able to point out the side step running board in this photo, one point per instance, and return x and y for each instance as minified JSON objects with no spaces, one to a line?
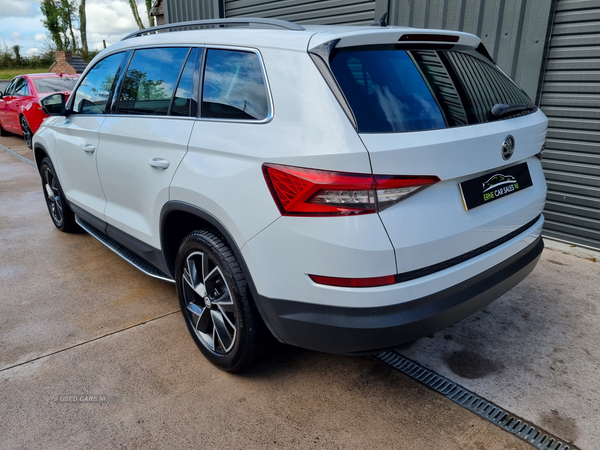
{"x":124,"y":252}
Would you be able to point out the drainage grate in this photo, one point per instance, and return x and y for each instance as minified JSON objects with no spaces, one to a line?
{"x":473,"y":402}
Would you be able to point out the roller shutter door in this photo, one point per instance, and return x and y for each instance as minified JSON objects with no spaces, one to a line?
{"x":571,"y":100}
{"x":324,"y":12}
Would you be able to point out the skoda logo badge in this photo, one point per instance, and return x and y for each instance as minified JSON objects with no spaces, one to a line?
{"x":508,"y":147}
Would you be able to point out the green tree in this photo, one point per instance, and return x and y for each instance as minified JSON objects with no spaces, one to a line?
{"x":52,"y":22}
{"x":59,"y":19}
{"x":136,"y":14}
{"x":17,"y":50}
{"x":68,"y":14}
{"x":83,"y":30}
{"x":149,"y":12}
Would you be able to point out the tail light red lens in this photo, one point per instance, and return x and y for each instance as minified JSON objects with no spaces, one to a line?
{"x":301,"y":191}
{"x":354,"y":282}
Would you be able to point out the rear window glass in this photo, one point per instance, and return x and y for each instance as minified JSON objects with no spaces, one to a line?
{"x":150,"y":81}
{"x":46,"y":85}
{"x":395,"y":90}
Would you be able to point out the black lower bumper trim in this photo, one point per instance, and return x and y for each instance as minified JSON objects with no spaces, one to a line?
{"x":367,"y":330}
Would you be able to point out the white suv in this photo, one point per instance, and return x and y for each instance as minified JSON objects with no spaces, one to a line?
{"x":347,"y":189}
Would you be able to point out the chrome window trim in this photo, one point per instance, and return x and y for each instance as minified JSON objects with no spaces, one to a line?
{"x":270,"y":106}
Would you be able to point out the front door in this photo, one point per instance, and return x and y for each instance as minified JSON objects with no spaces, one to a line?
{"x":142,"y":144}
{"x":78,"y":140}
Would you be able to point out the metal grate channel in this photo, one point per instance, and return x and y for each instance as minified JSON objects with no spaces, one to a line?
{"x":473,"y":402}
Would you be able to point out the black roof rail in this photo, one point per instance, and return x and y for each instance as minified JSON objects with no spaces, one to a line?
{"x":248,"y":21}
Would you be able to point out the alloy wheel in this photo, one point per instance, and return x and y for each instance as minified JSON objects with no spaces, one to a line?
{"x":27,"y":134}
{"x":53,"y":196}
{"x":210,"y":308}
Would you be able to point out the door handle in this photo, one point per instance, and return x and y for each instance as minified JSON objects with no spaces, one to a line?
{"x":88,"y":148}
{"x":159,"y":163}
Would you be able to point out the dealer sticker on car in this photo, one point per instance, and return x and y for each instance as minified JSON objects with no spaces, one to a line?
{"x":492,"y":186}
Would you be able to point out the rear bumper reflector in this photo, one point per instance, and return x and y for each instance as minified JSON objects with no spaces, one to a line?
{"x":354,"y":282}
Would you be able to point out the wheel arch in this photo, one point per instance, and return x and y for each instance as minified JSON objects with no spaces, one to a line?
{"x":178,"y":219}
{"x":39,"y":153}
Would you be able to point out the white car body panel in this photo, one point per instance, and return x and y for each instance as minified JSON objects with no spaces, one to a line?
{"x":135,"y":191}
{"x":77,"y":168}
{"x":298,"y":248}
{"x":215,"y":181}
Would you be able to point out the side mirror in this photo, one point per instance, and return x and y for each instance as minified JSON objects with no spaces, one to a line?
{"x":54,"y":104}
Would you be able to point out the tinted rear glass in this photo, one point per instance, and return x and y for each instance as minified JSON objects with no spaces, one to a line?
{"x":64,"y":84}
{"x":150,"y":80}
{"x":394,"y":90}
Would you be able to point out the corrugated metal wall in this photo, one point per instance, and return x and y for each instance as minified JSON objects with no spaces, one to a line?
{"x":571,"y":100}
{"x":514,"y":31}
{"x":356,"y":12}
{"x":184,"y":10}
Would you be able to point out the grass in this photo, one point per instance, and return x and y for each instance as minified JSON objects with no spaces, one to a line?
{"x":9,"y":74}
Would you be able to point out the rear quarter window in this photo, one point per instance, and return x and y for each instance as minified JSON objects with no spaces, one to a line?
{"x":234,"y":86}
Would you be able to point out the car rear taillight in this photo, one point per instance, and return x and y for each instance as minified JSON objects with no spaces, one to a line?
{"x":301,"y":191}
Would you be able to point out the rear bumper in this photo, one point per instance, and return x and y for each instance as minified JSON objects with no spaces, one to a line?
{"x":346,"y":330}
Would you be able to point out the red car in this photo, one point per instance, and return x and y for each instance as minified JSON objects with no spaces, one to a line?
{"x":20,"y":110}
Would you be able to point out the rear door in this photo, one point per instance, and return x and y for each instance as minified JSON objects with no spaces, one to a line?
{"x":426,"y":111}
{"x":143,"y":142}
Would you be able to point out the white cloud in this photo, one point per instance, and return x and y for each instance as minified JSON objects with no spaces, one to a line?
{"x":17,"y":8}
{"x":32,"y":51}
{"x":106,"y":19}
{"x":112,"y":19}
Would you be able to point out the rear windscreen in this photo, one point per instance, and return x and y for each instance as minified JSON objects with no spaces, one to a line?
{"x":45,"y":85}
{"x":392,"y":90}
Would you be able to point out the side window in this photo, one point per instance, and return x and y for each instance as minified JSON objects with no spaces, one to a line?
{"x":184,"y":103}
{"x":10,"y":89}
{"x":234,"y":86}
{"x":150,"y":81}
{"x":21,"y":87}
{"x":93,"y":92}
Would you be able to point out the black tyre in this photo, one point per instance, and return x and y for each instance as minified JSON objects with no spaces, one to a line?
{"x":3,"y":132}
{"x":60,"y":212}
{"x":216,"y":304}
{"x":27,"y":134}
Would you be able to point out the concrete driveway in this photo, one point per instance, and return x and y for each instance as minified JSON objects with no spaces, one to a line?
{"x":95,"y":355}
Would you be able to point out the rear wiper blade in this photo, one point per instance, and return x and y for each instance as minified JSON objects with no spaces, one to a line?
{"x":502,"y":109}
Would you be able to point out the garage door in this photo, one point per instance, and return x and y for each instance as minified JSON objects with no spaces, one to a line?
{"x":571,"y":100}
{"x":305,"y":11}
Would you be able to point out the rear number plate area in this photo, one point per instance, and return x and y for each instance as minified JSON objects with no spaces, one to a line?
{"x":494,"y":185}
